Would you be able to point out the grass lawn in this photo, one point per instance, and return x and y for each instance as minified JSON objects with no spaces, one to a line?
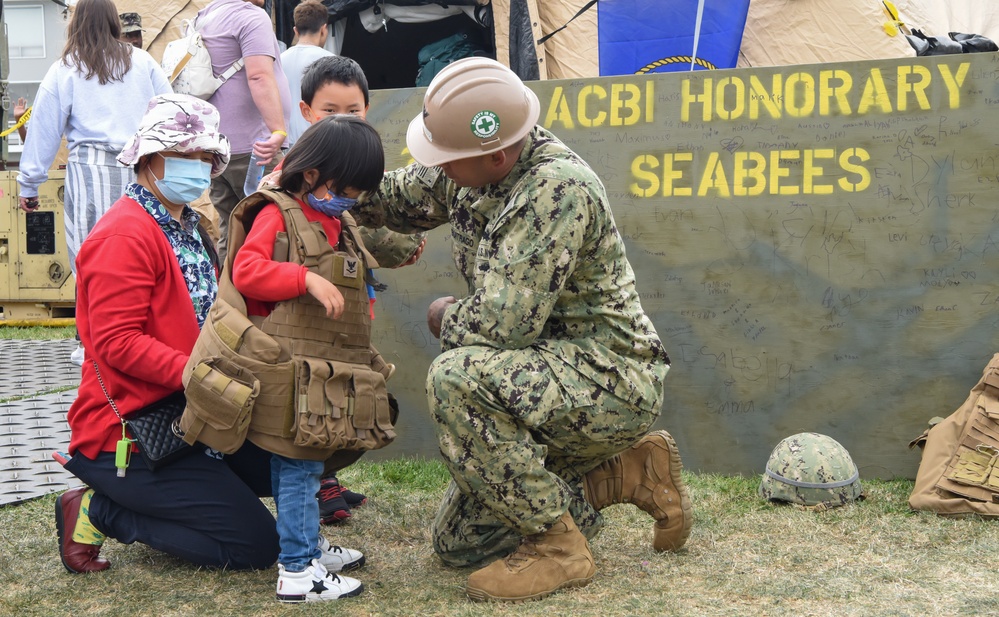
{"x":35,"y":333}
{"x":744,"y":557}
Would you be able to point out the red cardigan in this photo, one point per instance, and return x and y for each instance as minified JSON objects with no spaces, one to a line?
{"x":135,"y":317}
{"x":262,"y":281}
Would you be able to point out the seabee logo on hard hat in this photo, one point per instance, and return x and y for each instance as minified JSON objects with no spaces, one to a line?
{"x":485,"y":124}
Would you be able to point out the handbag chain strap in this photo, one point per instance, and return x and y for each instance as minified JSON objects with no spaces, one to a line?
{"x":100,"y":380}
{"x":123,"y":448}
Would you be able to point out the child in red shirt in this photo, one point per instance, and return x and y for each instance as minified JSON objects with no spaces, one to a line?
{"x":333,"y":162}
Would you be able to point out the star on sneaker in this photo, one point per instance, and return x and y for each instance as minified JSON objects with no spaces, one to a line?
{"x":315,"y":584}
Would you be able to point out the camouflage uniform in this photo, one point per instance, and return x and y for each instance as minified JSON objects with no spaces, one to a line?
{"x":130,"y":22}
{"x":390,"y":249}
{"x":549,"y":365}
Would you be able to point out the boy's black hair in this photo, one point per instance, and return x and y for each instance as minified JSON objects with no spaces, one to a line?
{"x":343,"y":148}
{"x":336,"y":69}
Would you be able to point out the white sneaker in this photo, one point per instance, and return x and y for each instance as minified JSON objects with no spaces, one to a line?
{"x":338,"y":559}
{"x":77,"y":356}
{"x":315,"y":584}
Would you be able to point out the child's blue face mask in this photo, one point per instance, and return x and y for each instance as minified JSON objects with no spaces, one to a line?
{"x":331,"y":205}
{"x":184,"y":180}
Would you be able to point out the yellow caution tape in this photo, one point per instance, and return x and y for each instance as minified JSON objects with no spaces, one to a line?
{"x":21,"y":122}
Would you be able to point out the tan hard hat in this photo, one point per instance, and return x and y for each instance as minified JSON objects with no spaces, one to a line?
{"x":472,"y":107}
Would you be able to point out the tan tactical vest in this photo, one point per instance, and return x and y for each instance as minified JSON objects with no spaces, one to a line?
{"x":297,"y":383}
{"x":959,"y":470}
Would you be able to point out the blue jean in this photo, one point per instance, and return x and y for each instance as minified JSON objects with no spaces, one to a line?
{"x":295,"y":484}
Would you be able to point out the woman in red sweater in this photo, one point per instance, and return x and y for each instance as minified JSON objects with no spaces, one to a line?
{"x":145,"y":281}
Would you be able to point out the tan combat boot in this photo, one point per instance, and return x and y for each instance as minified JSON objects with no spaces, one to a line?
{"x":542,"y":564}
{"x":648,"y":475}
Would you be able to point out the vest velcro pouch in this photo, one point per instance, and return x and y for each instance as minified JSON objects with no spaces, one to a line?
{"x":341,"y":406}
{"x":220,"y":396}
{"x":973,"y":466}
{"x":230,"y":345}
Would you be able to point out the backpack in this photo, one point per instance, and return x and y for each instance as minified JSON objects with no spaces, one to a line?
{"x":435,"y":56}
{"x":188,"y":64}
{"x":959,"y":470}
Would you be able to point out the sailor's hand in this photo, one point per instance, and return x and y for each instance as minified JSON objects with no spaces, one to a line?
{"x":435,"y":314}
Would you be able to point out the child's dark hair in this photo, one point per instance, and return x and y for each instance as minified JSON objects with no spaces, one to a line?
{"x":343,"y":148}
{"x":337,"y":69}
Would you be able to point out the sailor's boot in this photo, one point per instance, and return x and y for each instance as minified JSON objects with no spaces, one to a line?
{"x":648,"y":475}
{"x":542,"y":564}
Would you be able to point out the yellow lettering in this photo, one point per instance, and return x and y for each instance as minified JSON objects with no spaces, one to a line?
{"x":917,"y":87}
{"x":954,"y":82}
{"x":875,"y":94}
{"x":770,"y":99}
{"x":670,"y":174}
{"x":650,"y":100}
{"x":713,"y":178}
{"x":777,"y":172}
{"x":687,"y":98}
{"x":829,"y":92}
{"x":558,"y":111}
{"x":846,"y":162}
{"x":754,"y":173}
{"x":813,"y":171}
{"x":617,"y":103}
{"x":738,"y":96}
{"x":799,"y":95}
{"x":584,"y":94}
{"x":643,"y":169}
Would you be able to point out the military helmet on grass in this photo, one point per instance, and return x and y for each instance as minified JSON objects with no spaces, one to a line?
{"x":811,"y":469}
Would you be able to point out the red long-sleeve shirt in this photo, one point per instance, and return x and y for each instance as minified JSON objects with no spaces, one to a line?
{"x":263,"y":281}
{"x":134,"y":315}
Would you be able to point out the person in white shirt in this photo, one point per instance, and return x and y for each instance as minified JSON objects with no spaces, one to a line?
{"x":312,"y":29}
{"x":95,"y":96}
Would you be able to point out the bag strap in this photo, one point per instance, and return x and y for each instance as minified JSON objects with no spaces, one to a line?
{"x":229,"y":72}
{"x":351,"y":230}
{"x":585,"y":8}
{"x":194,"y":25}
{"x":309,"y":244}
{"x":100,"y":381}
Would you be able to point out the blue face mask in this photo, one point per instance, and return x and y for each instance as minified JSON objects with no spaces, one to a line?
{"x":332,"y":205}
{"x":184,"y":180}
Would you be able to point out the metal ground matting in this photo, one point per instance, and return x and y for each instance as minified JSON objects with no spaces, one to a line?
{"x":31,"y":428}
{"x":34,"y":367}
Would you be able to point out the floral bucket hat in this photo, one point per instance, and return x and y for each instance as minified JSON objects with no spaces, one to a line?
{"x":178,"y":123}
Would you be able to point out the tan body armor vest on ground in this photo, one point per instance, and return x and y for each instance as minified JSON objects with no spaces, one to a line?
{"x":959,"y":470}
{"x":296,"y":383}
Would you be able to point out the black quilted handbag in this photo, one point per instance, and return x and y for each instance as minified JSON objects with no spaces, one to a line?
{"x":156,"y":428}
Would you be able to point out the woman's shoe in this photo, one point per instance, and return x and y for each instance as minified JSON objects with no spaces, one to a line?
{"x":78,"y":557}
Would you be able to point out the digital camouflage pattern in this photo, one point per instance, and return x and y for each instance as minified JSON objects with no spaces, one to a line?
{"x":811,"y":469}
{"x":390,"y":249}
{"x":130,"y":22}
{"x":518,"y":446}
{"x":550,"y":364}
